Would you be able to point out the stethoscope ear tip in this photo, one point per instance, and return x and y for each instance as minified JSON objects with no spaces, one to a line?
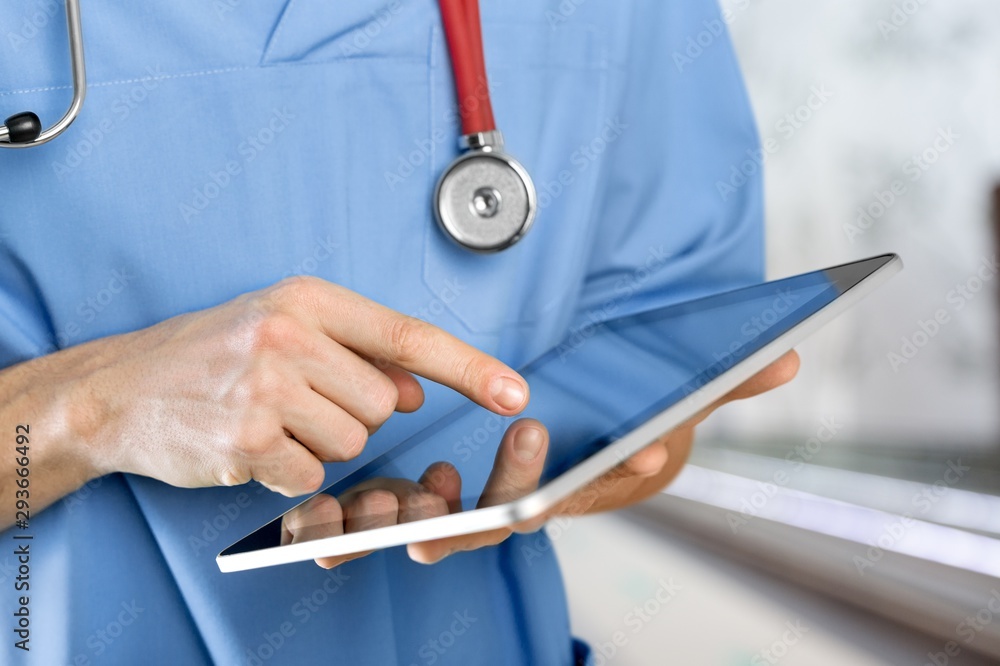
{"x":23,"y":127}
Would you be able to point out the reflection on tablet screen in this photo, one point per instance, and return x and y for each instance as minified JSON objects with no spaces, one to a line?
{"x":598,"y":385}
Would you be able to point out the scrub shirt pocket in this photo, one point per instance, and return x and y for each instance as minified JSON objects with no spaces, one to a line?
{"x":562,"y":73}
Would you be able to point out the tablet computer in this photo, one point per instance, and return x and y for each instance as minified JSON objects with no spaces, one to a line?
{"x":609,"y":390}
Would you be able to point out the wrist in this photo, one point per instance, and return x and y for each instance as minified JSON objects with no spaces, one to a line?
{"x":85,"y":416}
{"x":80,"y":430}
{"x":58,"y":393}
{"x":38,"y":401}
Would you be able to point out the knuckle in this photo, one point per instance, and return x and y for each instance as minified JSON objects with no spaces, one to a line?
{"x":439,"y":474}
{"x":378,"y":502}
{"x":276,"y":331}
{"x":383,"y":400}
{"x":249,"y":443}
{"x":248,"y":449}
{"x":317,"y":510}
{"x":232,"y":476}
{"x":407,"y":339}
{"x":424,"y":502}
{"x":353,"y":442}
{"x":473,"y":373}
{"x":325,"y":508}
{"x":252,"y":310}
{"x":295,"y":290}
{"x":309,"y":478}
{"x":266,"y":386}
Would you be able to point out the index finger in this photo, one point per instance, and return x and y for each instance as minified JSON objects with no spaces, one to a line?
{"x":389,"y":337}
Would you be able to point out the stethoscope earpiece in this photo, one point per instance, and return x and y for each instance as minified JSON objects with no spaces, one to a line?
{"x":485,"y":201}
{"x":25,"y":130}
{"x":23,"y":127}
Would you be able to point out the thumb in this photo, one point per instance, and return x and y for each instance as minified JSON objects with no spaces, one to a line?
{"x":518,"y":464}
{"x":516,"y":471}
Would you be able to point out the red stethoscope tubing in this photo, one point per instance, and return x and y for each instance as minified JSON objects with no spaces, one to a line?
{"x":463,"y":30}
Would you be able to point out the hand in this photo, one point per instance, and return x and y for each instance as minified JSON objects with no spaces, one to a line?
{"x":652,"y":469}
{"x":268,"y":386}
{"x":642,"y":475}
{"x":383,"y":502}
{"x":516,"y":472}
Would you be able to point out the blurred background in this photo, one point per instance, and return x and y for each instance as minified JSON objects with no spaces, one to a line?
{"x":851,"y":517}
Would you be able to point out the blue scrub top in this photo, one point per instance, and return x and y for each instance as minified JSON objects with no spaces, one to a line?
{"x":225,"y":145}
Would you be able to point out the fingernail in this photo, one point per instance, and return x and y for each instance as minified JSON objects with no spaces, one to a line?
{"x":507,"y":392}
{"x":527,"y":443}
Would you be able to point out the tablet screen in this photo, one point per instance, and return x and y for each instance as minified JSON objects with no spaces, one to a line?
{"x":602,"y":382}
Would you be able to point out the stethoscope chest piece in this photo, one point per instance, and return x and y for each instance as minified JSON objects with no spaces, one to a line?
{"x":485,"y":201}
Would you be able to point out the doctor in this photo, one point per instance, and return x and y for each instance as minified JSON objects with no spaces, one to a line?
{"x":228,"y":269}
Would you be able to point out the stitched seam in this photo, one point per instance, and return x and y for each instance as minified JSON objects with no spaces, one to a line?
{"x":102,"y":84}
{"x":213,"y":72}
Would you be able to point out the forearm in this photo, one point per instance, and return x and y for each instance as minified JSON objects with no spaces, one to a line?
{"x":43,"y":456}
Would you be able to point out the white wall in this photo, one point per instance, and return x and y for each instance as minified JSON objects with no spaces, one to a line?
{"x":892,"y":92}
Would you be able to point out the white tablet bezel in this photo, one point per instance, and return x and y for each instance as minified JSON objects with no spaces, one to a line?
{"x":561,"y":487}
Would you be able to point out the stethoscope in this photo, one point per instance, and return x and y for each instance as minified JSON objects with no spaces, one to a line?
{"x":485,"y":200}
{"x":24,"y":130}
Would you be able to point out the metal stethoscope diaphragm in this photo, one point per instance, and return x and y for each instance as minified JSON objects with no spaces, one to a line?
{"x":484,"y":201}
